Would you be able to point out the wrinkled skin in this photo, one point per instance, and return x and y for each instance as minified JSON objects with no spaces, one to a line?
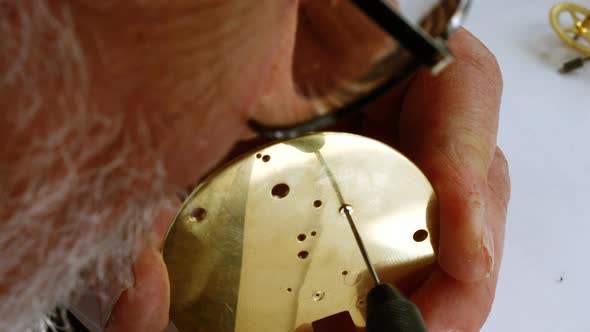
{"x":201,"y":67}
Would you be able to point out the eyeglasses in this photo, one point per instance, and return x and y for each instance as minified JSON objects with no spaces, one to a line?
{"x":349,"y":52}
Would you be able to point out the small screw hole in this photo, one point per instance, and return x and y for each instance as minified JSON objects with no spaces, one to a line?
{"x":317,"y":203}
{"x":279,"y":191}
{"x":258,"y":156}
{"x":346,"y":209}
{"x":199,"y":214}
{"x":303,"y":254}
{"x":289,"y":290}
{"x":314,"y":233}
{"x":266,"y":158}
{"x":301,"y":237}
{"x":344,"y":272}
{"x":420,"y":235}
{"x":319,"y":295}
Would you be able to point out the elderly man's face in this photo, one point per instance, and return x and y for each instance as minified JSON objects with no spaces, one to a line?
{"x":107,"y":109}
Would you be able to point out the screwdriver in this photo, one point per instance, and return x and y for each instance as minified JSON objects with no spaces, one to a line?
{"x":387,"y":309}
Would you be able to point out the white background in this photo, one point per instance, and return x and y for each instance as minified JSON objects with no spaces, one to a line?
{"x":545,"y":133}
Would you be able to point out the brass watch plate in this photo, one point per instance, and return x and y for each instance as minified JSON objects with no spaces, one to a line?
{"x":261,"y":245}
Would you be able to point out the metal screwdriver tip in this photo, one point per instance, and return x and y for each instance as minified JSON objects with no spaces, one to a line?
{"x":346,"y":210}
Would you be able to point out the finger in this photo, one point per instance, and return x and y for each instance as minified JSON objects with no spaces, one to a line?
{"x":499,"y":179}
{"x":450,"y":305}
{"x":448,"y":127}
{"x":145,"y":306}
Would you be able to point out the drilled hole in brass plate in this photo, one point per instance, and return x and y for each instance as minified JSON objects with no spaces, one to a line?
{"x":289,"y":290}
{"x":280,"y":190}
{"x":344,"y":272}
{"x":317,"y":203}
{"x":318,"y":296}
{"x":198,"y":214}
{"x":301,"y":237}
{"x":346,"y":208}
{"x":314,"y":233}
{"x":303,"y":254}
{"x":258,"y":156}
{"x":266,"y":158}
{"x":420,"y":235}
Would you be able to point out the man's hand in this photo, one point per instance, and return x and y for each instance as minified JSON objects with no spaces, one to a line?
{"x":447,"y":125}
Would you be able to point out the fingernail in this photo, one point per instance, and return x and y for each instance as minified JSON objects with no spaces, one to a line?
{"x":485,"y":245}
{"x":479,"y":169}
{"x":488,"y":249}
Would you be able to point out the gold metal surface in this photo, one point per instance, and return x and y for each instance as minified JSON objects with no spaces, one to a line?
{"x":262,"y":246}
{"x":576,"y":35}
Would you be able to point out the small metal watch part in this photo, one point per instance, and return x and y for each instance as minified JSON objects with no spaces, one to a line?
{"x":262,"y":245}
{"x":577,"y":33}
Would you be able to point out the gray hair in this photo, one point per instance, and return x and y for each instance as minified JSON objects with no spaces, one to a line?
{"x":74,"y":202}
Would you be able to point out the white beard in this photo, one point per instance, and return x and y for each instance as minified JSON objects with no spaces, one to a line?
{"x":67,"y":221}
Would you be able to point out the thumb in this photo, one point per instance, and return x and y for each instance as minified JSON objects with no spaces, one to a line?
{"x":448,"y":127}
{"x":144,"y":307}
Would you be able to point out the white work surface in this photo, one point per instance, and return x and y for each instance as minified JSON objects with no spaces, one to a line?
{"x":545,"y":132}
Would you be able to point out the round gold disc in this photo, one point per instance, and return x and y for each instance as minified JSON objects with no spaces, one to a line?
{"x":261,"y":245}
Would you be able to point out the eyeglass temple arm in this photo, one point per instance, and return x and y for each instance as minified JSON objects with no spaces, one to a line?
{"x":430,"y":52}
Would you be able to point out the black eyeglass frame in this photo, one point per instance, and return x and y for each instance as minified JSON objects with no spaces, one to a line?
{"x":425,"y":51}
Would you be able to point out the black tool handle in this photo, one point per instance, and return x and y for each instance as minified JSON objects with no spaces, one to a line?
{"x":389,"y":311}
